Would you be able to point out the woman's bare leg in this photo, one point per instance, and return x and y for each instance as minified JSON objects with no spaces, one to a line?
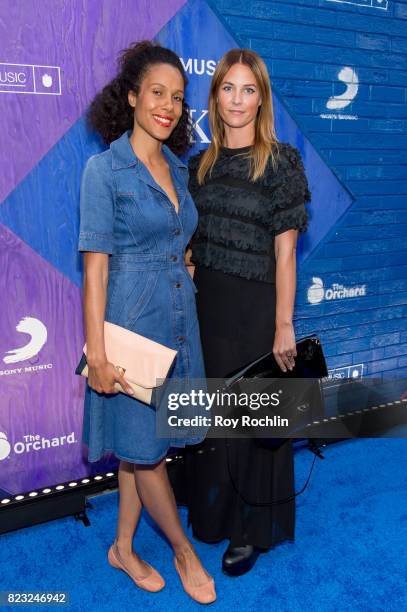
{"x":129,"y":515}
{"x":157,"y":497}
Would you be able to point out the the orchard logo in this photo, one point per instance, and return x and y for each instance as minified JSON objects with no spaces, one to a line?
{"x":5,"y":446}
{"x":317,"y":292}
{"x":33,"y":443}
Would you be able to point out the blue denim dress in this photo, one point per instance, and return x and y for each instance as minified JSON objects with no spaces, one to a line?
{"x":125,"y":213}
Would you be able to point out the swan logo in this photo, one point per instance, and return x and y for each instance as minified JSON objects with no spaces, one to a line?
{"x":38,"y":337}
{"x":316,"y":292}
{"x":5,"y":447}
{"x":350,"y":79}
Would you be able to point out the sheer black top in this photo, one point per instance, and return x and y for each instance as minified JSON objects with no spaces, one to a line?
{"x":238,"y":219}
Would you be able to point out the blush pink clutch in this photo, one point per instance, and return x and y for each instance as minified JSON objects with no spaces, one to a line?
{"x":144,"y":362}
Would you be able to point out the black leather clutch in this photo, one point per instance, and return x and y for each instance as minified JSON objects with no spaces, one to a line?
{"x":301,"y":400}
{"x":309,"y":363}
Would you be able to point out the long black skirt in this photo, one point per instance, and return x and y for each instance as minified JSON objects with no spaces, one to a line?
{"x":228,"y":485}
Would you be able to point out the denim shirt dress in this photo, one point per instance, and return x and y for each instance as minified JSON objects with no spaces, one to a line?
{"x":125,"y":213}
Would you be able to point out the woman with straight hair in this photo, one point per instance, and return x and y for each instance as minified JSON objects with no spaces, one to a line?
{"x":250,"y":192}
{"x":136,"y":219}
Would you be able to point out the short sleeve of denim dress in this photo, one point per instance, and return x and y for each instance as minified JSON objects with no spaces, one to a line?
{"x":125,"y":214}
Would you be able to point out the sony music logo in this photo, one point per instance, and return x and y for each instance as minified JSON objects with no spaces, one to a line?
{"x":350,"y":80}
{"x":37,"y":337}
{"x":36,"y":330}
{"x":30,"y":79}
{"x":198,"y":66}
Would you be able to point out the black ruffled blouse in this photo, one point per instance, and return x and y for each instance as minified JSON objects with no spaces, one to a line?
{"x":238,"y":219}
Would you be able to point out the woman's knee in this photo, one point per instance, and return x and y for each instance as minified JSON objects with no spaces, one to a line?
{"x":157,"y":468}
{"x":126,"y":466}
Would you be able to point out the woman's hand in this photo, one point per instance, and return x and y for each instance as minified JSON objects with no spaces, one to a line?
{"x":103,"y":376}
{"x":284,"y":348}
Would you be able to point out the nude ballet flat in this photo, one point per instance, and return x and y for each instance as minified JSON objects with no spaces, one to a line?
{"x":203,"y":594}
{"x":153,"y":583}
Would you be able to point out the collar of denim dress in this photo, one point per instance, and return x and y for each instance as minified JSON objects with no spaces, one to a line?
{"x":123,"y":155}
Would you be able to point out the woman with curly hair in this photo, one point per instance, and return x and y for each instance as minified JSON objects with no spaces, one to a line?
{"x":250,"y":192}
{"x":136,"y":220}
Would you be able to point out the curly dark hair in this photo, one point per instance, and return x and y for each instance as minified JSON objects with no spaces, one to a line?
{"x":110,"y":113}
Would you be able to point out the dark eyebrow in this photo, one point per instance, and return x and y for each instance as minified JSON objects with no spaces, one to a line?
{"x":245,"y":85}
{"x":161,"y":85}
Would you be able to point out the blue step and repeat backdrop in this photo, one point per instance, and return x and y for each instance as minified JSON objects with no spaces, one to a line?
{"x":339,"y":77}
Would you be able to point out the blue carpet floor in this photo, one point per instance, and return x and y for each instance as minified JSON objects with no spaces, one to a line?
{"x":350,"y":551}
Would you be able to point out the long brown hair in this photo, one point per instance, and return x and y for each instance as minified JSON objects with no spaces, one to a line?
{"x":265,"y":136}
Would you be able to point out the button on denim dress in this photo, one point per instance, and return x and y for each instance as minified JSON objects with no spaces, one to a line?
{"x":125,"y":213}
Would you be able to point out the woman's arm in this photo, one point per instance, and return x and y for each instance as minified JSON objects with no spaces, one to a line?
{"x":96,"y":241}
{"x":188,"y":262}
{"x":102,"y":374}
{"x":94,"y":303}
{"x":284,"y":340}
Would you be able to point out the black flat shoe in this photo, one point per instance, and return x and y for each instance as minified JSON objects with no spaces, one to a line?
{"x":238,"y":560}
